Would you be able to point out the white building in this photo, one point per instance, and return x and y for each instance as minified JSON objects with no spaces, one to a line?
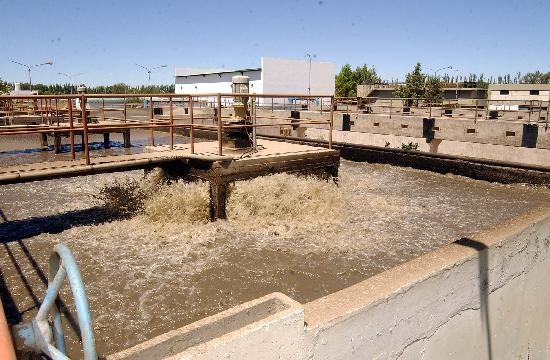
{"x":516,"y":96}
{"x":275,"y":76}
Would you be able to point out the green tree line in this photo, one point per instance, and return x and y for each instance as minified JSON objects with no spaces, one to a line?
{"x":348,"y":79}
{"x":119,"y":88}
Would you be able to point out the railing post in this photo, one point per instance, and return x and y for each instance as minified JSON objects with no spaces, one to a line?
{"x":57,"y":110}
{"x":85,"y":129}
{"x":331,"y":122}
{"x":151,"y":115}
{"x":191,"y":131}
{"x":220,"y":151}
{"x":125,"y":109}
{"x":530,"y":109}
{"x":171,"y":124}
{"x":254,"y":140}
{"x":71,"y":126}
{"x":391,"y":106}
{"x":475,"y":115}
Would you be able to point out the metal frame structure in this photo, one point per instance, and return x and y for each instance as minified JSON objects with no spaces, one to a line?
{"x":52,"y":108}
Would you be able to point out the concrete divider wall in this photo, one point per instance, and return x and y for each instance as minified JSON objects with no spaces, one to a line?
{"x":514,"y":154}
{"x":465,"y":130}
{"x":483,"y":297}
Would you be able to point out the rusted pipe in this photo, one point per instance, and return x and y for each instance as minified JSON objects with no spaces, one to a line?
{"x":220,"y":150}
{"x":7,"y":350}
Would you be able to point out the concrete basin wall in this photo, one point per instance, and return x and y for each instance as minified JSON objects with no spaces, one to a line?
{"x":478,"y":298}
{"x":270,"y":327}
{"x":482,"y":297}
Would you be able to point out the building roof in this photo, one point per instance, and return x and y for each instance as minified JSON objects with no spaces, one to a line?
{"x":203,"y":71}
{"x":525,"y":87}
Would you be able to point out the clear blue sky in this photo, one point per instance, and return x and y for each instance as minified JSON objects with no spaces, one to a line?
{"x":105,"y":38}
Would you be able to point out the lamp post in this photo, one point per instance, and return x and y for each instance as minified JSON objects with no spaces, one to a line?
{"x":308,"y":55}
{"x":70,"y":77}
{"x":443,"y":68}
{"x":149,"y":70}
{"x":29,"y":67}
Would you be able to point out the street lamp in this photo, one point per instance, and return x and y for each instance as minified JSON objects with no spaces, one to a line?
{"x":309,"y":73}
{"x":443,"y":68}
{"x":70,"y":77}
{"x":149,"y":70}
{"x":29,"y":67}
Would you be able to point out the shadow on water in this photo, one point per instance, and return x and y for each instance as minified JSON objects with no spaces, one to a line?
{"x":483,"y":270}
{"x":66,"y":148}
{"x":19,"y":230}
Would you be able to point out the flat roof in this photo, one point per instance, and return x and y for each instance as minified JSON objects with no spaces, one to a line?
{"x":206,"y":71}
{"x":519,"y":87}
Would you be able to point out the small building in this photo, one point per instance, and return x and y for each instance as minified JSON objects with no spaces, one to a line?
{"x":275,"y":76}
{"x":461,"y":91}
{"x":517,"y":96}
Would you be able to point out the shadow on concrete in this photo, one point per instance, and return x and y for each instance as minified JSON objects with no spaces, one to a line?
{"x":483,"y":269}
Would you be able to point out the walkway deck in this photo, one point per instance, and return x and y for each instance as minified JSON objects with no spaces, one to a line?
{"x":271,"y":157}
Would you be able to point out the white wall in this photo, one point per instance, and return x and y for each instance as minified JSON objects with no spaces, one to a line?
{"x":291,"y":76}
{"x":215,"y":83}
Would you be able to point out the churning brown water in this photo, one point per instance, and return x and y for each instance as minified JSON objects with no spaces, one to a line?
{"x":168,"y":266}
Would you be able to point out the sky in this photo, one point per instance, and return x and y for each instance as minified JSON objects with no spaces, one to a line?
{"x":104,"y":40}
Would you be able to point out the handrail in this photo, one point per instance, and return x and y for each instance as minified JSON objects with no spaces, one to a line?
{"x":37,"y":334}
{"x":56,"y":114}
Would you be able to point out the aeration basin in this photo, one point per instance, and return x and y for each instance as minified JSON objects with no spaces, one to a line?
{"x":390,"y":262}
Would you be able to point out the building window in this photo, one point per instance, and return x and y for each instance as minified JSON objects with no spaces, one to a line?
{"x":533,"y":92}
{"x":504,"y":92}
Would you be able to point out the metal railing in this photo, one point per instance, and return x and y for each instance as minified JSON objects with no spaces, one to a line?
{"x":63,"y":115}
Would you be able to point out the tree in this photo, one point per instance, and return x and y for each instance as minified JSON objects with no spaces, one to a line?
{"x":348,"y":79}
{"x":536,"y":77}
{"x":433,"y":91}
{"x":345,"y":82}
{"x":366,"y":76}
{"x":5,"y":87}
{"x":414,"y":88}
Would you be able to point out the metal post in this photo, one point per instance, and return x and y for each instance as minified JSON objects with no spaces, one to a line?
{"x":530,"y":109}
{"x":331,"y":122}
{"x":391,"y":105}
{"x":475,"y":115}
{"x":103,"y":109}
{"x":191,"y":137}
{"x":71,"y":126}
{"x":254,"y":140}
{"x":56,"y":110}
{"x":171,"y":124}
{"x":85,"y":129}
{"x":151,"y":115}
{"x":220,"y":151}
{"x":271,"y":104}
{"x":125,"y":109}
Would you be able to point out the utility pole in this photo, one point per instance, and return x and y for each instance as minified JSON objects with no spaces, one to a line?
{"x":29,"y":67}
{"x":309,"y":74}
{"x":149,"y":70}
